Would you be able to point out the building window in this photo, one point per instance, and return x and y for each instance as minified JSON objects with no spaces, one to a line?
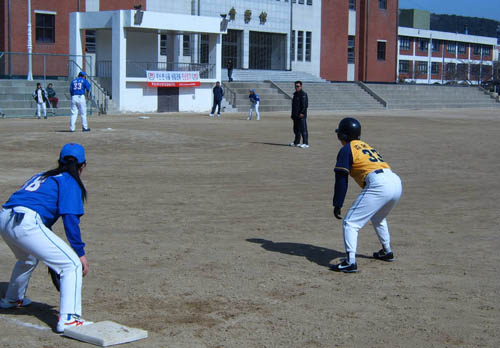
{"x":352,"y":4}
{"x":163,"y":45}
{"x":45,"y":28}
{"x":486,"y":51}
{"x":381,"y":50}
{"x":90,"y":41}
{"x":422,"y":67}
{"x":204,"y":48}
{"x":451,"y":47}
{"x":404,"y":66}
{"x":292,"y":46}
{"x":404,"y":43}
{"x":461,"y":48}
{"x":186,"y":45}
{"x":300,"y":45}
{"x":382,"y":4}
{"x":462,"y":71}
{"x":435,"y":68}
{"x":301,"y":2}
{"x":477,"y":50}
{"x":308,"y":46}
{"x":310,"y":2}
{"x":450,"y":71}
{"x":436,"y":45}
{"x":423,"y":45}
{"x":350,"y":49}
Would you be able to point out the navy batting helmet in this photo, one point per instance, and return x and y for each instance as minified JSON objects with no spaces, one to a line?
{"x":349,"y":129}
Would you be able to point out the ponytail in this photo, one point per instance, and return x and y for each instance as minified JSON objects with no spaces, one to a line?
{"x":72,"y":167}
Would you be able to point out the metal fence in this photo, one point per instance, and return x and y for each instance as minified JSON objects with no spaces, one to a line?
{"x":47,"y":66}
{"x":44,"y":65}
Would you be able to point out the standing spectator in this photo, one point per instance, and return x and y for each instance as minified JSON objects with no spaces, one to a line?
{"x":218,"y":95}
{"x":79,"y":90}
{"x":40,"y":96}
{"x":254,"y":104}
{"x":52,"y":96}
{"x":299,"y":116}
{"x":229,"y":67}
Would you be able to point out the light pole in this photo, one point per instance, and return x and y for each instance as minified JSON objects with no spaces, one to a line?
{"x":29,"y":45}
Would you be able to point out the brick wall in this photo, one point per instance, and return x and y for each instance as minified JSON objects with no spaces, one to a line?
{"x":334,"y":30}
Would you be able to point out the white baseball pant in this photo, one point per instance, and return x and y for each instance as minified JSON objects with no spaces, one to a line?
{"x":256,"y":108}
{"x":41,"y":107}
{"x":381,"y":193}
{"x":30,"y":241}
{"x":78,"y":103}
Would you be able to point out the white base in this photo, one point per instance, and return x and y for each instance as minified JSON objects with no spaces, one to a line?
{"x":105,"y":333}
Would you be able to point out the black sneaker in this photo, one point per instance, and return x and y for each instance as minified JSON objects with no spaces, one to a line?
{"x":345,"y":267}
{"x":85,"y":129}
{"x":382,"y":255}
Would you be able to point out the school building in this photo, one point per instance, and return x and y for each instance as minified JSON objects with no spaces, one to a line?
{"x":124,"y":44}
{"x":429,"y":56}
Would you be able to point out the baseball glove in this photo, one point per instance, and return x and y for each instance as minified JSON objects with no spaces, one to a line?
{"x":56,"y":278}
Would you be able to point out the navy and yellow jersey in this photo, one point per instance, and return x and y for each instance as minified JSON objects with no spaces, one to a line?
{"x":359,"y":159}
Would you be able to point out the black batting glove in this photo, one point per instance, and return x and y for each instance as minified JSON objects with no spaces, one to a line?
{"x":336,"y":212}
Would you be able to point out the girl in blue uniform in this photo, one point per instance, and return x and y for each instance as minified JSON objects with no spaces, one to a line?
{"x":25,"y":225}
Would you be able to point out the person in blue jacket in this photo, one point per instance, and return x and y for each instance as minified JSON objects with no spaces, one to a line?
{"x":25,"y":224}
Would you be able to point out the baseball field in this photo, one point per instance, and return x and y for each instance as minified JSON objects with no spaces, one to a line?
{"x":212,"y":233}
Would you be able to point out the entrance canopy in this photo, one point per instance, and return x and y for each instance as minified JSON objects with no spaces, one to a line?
{"x":129,"y":40}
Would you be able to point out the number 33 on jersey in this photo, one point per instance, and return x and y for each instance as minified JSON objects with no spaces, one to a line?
{"x":359,"y":159}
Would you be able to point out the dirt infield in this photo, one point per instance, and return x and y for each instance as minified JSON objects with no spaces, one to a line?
{"x":213,"y":233}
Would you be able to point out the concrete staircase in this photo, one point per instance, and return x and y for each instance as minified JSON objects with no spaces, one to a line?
{"x":271,"y":98}
{"x":16,"y":98}
{"x":404,"y":96}
{"x":247,"y":75}
{"x":335,"y":96}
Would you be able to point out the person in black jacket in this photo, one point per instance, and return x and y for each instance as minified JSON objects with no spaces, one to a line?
{"x":299,"y":116}
{"x":218,"y":95}
{"x":229,"y":67}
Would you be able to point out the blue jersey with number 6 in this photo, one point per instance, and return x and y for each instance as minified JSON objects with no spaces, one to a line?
{"x":51,"y":197}
{"x":79,"y":86}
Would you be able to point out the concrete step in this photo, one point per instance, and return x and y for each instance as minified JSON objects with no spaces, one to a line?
{"x":14,"y":104}
{"x":441,"y":106}
{"x":30,"y":112}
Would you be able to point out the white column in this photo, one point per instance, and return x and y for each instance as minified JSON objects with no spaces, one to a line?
{"x":246,"y":49}
{"x":215,"y":54}
{"x":429,"y":62}
{"x":119,"y":59}
{"x":218,"y":67}
{"x":75,"y":45}
{"x":29,"y":45}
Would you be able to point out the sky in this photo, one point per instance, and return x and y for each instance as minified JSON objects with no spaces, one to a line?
{"x":471,"y":8}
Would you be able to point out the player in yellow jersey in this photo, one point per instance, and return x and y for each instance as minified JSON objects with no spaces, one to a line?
{"x":381,"y":192}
